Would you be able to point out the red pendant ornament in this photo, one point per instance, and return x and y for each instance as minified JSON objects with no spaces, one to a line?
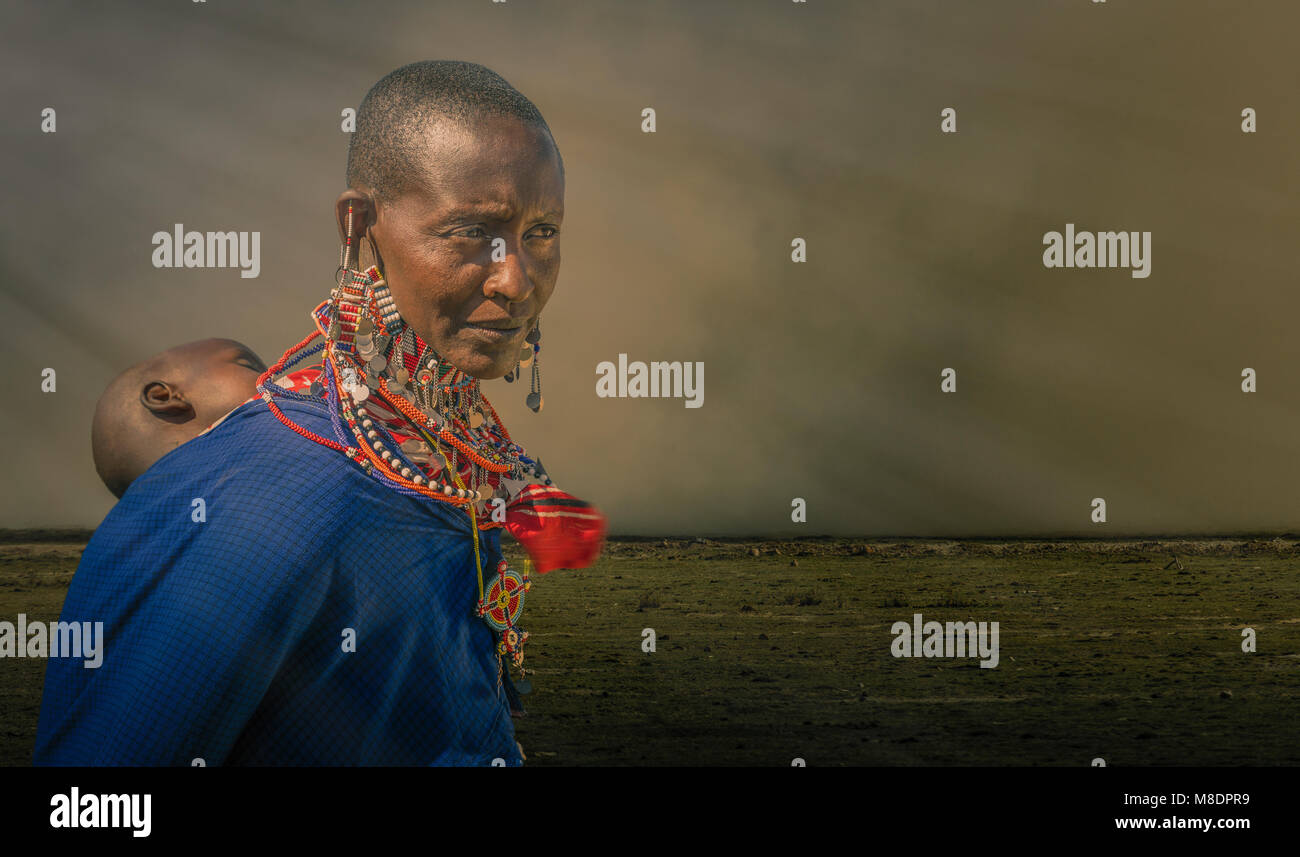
{"x":557,"y":529}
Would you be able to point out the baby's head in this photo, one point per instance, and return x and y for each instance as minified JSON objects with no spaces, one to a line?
{"x":160,"y":403}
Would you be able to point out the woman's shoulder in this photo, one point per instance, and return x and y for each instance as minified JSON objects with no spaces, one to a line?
{"x":255,"y":462}
{"x":277,"y":444}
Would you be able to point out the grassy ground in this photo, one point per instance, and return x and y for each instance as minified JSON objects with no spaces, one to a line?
{"x":768,"y":651}
{"x":33,"y":580}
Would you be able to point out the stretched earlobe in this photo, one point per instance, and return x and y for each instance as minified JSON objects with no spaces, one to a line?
{"x":356,"y":212}
{"x":364,"y":213}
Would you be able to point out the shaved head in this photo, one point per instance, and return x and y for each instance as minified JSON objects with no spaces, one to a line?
{"x":387,"y":151}
{"x":165,"y":400}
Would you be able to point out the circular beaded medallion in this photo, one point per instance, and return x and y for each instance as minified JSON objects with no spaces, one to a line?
{"x":503,"y":599}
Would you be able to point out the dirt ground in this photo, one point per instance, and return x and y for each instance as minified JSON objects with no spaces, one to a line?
{"x":766,"y":652}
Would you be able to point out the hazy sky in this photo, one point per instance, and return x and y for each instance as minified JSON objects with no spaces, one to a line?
{"x":775,"y":120}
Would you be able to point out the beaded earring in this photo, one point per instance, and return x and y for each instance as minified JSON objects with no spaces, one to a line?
{"x":534,"y":400}
{"x":345,"y":251}
{"x":530,"y":355}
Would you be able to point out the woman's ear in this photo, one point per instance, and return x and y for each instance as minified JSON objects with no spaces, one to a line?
{"x":363,"y":216}
{"x":166,"y":402}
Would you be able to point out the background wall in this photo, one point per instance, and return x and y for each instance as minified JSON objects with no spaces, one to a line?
{"x":775,"y":120}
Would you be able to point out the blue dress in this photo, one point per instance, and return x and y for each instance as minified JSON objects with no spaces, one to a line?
{"x":227,"y":639}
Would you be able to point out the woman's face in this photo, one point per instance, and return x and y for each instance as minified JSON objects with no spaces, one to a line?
{"x":472,"y":252}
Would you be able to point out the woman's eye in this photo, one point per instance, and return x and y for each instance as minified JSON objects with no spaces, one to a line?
{"x":472,"y":232}
{"x":546,"y":232}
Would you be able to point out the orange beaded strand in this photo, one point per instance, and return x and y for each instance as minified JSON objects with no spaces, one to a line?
{"x":411,"y":413}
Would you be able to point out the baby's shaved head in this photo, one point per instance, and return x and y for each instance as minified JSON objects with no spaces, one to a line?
{"x":165,"y":400}
{"x":115,"y":434}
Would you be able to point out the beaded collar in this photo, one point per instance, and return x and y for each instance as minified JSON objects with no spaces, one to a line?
{"x":405,"y":415}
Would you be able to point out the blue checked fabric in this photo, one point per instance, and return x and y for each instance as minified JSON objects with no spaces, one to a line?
{"x":224,"y":640}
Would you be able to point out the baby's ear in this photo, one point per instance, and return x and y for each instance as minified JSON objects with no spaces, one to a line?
{"x":166,"y":402}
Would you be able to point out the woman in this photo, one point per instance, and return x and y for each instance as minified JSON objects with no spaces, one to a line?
{"x":341,"y":598}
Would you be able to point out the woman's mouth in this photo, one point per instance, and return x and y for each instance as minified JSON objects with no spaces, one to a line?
{"x":496,"y":331}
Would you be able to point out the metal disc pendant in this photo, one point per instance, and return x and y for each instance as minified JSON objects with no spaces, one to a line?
{"x":526,"y":356}
{"x":510,"y":377}
{"x":364,"y":326}
{"x":402,"y":376}
{"x":535,"y":335}
{"x":534,"y":401}
{"x":424,"y":376}
{"x":378,"y":363}
{"x":475,"y":419}
{"x":360,"y":393}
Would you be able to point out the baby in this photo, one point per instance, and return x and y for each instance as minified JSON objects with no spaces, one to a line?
{"x":160,"y":403}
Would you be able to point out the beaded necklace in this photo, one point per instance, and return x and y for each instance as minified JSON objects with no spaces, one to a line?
{"x":403,"y":413}
{"x":413,"y":421}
